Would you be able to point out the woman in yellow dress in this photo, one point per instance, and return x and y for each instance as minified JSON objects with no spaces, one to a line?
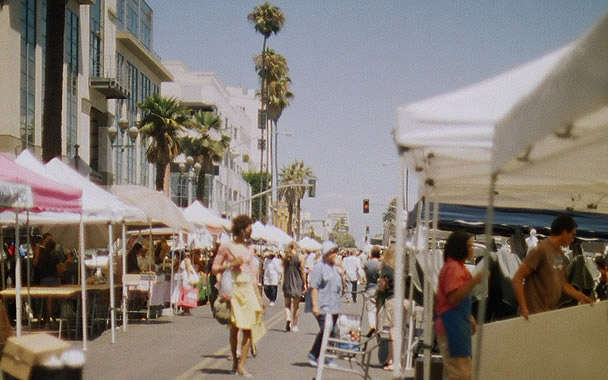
{"x":246,"y":301}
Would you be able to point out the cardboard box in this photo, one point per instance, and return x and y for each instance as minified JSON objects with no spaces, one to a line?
{"x":22,"y":354}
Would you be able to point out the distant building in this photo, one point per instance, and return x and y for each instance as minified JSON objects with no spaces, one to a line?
{"x":109,"y":66}
{"x":334,"y":215}
{"x":226,"y":190}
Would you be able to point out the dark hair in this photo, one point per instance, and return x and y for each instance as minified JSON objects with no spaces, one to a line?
{"x":456,"y":246}
{"x":239,"y":223}
{"x":375,"y":252}
{"x":600,"y":261}
{"x":136,"y":247}
{"x":46,"y":234}
{"x":561,"y":223}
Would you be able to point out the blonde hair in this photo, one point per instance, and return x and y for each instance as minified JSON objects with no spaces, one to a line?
{"x":388,"y":256}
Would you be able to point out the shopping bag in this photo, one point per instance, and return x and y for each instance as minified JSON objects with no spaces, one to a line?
{"x":188,"y":297}
{"x":225,"y":286}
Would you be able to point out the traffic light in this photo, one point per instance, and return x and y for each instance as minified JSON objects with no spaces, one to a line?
{"x":367,"y":230}
{"x":312,"y":190}
{"x":366,"y":206}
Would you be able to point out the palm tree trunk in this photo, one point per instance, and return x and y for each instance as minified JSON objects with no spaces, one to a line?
{"x":160,"y":175}
{"x":290,"y":218}
{"x":298,"y":219}
{"x":53,"y":89}
{"x":200,"y":187}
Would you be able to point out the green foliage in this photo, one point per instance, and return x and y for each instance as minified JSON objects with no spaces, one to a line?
{"x":339,"y":235}
{"x":163,"y":120}
{"x":253,"y":178}
{"x":389,"y":215}
{"x":266,"y":19}
{"x":312,"y":234}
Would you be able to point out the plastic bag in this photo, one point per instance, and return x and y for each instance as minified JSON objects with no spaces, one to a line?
{"x":225,"y":284}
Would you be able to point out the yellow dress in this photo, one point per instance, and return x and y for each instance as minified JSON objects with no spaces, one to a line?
{"x":246,"y":310}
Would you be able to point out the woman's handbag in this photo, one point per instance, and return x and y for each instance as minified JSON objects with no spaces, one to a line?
{"x":222,"y":311}
{"x":225,"y":290}
{"x":188,"y":297}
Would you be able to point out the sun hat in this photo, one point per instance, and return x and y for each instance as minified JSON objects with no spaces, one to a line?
{"x":327,"y":247}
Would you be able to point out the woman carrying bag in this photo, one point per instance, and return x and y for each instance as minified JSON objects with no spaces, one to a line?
{"x":246,"y":301}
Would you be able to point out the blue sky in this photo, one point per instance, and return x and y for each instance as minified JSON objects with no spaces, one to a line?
{"x":354,"y":62}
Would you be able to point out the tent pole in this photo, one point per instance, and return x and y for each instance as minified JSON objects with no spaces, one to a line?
{"x":17,"y":275}
{"x":4,"y":257}
{"x":124,"y":272}
{"x":410,"y":319}
{"x":428,"y":305}
{"x":481,"y":312}
{"x":111,"y":270}
{"x":83,"y":285}
{"x":28,"y":266}
{"x":399,"y":291}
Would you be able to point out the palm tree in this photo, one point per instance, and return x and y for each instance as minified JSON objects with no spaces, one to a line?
{"x":53,"y":88}
{"x":163,"y":120}
{"x":204,"y":147}
{"x":267,"y":19}
{"x":294,"y":175}
{"x":388,"y":217}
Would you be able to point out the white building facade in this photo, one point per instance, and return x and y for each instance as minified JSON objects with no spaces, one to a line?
{"x":109,"y":66}
{"x":226,"y":190}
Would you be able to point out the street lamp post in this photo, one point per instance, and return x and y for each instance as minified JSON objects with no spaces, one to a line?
{"x":125,"y":130}
{"x":192,"y":168}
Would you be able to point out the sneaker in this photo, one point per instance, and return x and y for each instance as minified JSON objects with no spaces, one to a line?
{"x":271,"y":304}
{"x":295,"y":329}
{"x":312,"y":360}
{"x":331,"y":363}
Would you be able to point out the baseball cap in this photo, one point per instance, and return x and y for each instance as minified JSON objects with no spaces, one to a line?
{"x":327,"y":247}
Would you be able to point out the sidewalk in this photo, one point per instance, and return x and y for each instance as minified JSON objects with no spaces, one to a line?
{"x":196,"y":348}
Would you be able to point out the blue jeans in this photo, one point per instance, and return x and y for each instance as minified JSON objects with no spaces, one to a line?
{"x":351,"y":290}
{"x":271,"y":292}
{"x":316,"y":346}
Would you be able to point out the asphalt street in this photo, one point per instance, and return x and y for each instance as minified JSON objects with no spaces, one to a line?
{"x":196,"y":348}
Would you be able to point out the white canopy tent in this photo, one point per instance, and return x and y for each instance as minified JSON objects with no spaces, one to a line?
{"x":309,"y":244}
{"x":201,"y":216}
{"x":535,"y":137}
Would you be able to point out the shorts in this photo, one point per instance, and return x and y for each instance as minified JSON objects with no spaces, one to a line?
{"x":454,"y":368}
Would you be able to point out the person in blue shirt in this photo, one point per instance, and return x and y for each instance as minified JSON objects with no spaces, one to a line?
{"x":325,"y":294}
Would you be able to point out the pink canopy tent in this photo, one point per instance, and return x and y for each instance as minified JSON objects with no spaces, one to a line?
{"x":47,"y":195}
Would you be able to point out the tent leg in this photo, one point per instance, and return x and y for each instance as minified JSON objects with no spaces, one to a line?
{"x":481,"y":313}
{"x":17,"y":275}
{"x":124,"y":272}
{"x":111,"y":270}
{"x":83,"y":282}
{"x":399,"y":265}
{"x":428,"y":299}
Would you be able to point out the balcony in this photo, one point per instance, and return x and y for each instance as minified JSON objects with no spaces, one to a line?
{"x":110,"y":79}
{"x":149,"y":59}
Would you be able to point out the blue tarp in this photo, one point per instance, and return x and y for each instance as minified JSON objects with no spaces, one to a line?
{"x":506,"y":220}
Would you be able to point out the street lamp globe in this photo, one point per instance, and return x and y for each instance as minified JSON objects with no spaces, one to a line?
{"x":123,"y":124}
{"x":133,"y":132}
{"x":182,"y":167}
{"x":189,"y":160}
{"x":112,"y":133}
{"x":197,"y":167}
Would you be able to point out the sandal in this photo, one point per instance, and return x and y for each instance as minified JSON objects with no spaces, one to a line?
{"x":388,"y":367}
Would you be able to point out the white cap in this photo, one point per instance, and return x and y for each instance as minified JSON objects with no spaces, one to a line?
{"x":327,"y":246}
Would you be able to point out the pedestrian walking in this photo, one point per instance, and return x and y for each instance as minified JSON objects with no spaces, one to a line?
{"x":246,"y":301}
{"x":272,"y":273}
{"x":352,"y":268}
{"x":455,"y":324}
{"x":325,"y":294}
{"x":293,"y":286}
{"x":372,"y":272}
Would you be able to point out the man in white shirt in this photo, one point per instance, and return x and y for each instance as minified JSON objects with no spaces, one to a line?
{"x":352,"y":268}
{"x":272,"y":274}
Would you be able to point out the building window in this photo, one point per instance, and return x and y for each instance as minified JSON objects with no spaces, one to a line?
{"x":132,"y":116}
{"x":145,"y":26}
{"x":71,"y":58}
{"x":28,"y":72}
{"x":133,"y":17}
{"x":96,"y":39}
{"x":120,"y":9}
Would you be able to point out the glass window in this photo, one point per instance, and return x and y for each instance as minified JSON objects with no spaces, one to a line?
{"x":28,"y":72}
{"x":96,"y":39}
{"x":71,"y":57}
